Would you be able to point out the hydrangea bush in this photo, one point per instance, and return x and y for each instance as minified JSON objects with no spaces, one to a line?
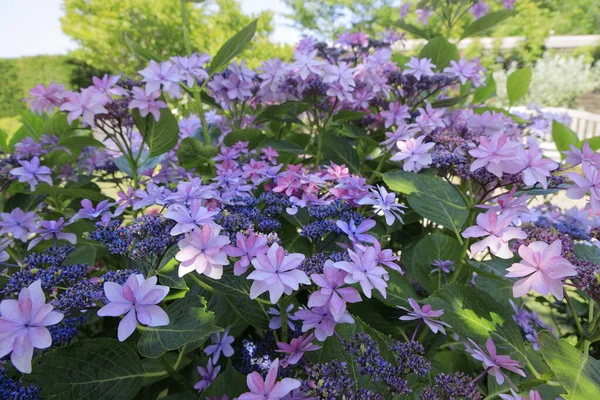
{"x":347,"y":225}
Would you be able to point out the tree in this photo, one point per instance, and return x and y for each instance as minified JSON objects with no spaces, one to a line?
{"x":10,"y":92}
{"x":100,"y":28}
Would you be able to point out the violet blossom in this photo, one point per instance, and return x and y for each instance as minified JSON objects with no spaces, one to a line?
{"x":202,"y":251}
{"x":269,"y":388}
{"x":384,"y":202}
{"x":332,"y":293}
{"x":32,"y":172}
{"x":207,"y":375}
{"x":51,"y":230}
{"x":247,"y":248}
{"x":492,"y":362}
{"x":425,"y":314}
{"x":321,"y":320}
{"x":414,"y":153}
{"x":221,"y":344}
{"x":18,"y":223}
{"x":497,"y":234}
{"x":364,"y":269}
{"x":296,"y":349}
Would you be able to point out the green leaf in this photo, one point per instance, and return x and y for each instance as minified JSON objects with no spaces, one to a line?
{"x":280,"y":112}
{"x":79,"y":142}
{"x":412,"y":29}
{"x":236,"y":291}
{"x":432,"y":197}
{"x":452,"y":101}
{"x":578,"y":373}
{"x":281,"y":146}
{"x":83,"y":254}
{"x":588,"y":253}
{"x":340,"y":152}
{"x":160,"y":136}
{"x":58,"y":125}
{"x":77,"y":193}
{"x":89,"y":369}
{"x":233,"y":47}
{"x":251,"y":135}
{"x":594,"y":142}
{"x":474,"y":314}
{"x":517,"y":84}
{"x":33,"y":124}
{"x":192,"y":153}
{"x":563,"y":137}
{"x":348,"y":115}
{"x":436,"y":246}
{"x":188,"y":322}
{"x":440,"y":51}
{"x":230,"y":382}
{"x":486,"y":22}
{"x":483,"y":93}
{"x":399,"y":290}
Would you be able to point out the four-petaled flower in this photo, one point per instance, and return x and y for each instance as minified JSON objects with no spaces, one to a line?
{"x":276,"y":273}
{"x":542,"y":268}
{"x":221,"y":344}
{"x":296,"y":349}
{"x":426,"y":314}
{"x":321,"y":320}
{"x":147,"y":103}
{"x":23,"y":325}
{"x":357,"y":233}
{"x":137,"y":299}
{"x":492,"y":362}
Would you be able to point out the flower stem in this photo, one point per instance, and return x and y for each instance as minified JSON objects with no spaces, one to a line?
{"x":414,"y":335}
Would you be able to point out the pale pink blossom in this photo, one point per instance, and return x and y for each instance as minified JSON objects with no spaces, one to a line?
{"x":164,"y":74}
{"x":495,"y":154}
{"x":492,"y":362}
{"x":86,"y":104}
{"x":509,"y":203}
{"x":276,"y":273}
{"x":296,"y":349}
{"x":269,"y":388}
{"x":247,"y":248}
{"x":589,"y":182}
{"x":202,"y":251}
{"x":419,"y":67}
{"x":23,"y":325}
{"x":106,"y":86}
{"x":414,"y":153}
{"x":45,"y":99}
{"x":147,"y":103}
{"x":542,"y":269}
{"x":497,"y":232}
{"x":332,"y":293}
{"x":426,"y":314}
{"x":137,"y":299}
{"x":534,"y":167}
{"x":321,"y":320}
{"x":364,"y":269}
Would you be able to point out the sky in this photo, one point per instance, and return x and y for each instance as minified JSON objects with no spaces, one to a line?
{"x":32,"y":27}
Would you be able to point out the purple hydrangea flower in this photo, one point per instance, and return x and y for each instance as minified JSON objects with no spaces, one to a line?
{"x":18,"y":223}
{"x":202,"y":251}
{"x":51,"y":230}
{"x":426,"y":314}
{"x":32,"y":172}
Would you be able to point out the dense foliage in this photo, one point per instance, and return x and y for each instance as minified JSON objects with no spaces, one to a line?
{"x":347,"y":225}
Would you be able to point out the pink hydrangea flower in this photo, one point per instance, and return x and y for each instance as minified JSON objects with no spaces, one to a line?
{"x":589,"y":182}
{"x":492,"y":362}
{"x":586,"y":154}
{"x":414,"y":153}
{"x":106,"y":86}
{"x":45,"y":99}
{"x":276,"y":273}
{"x":423,"y":15}
{"x":23,"y":325}
{"x":321,"y":320}
{"x":542,"y":268}
{"x":207,"y":375}
{"x":203,"y":252}
{"x":247,"y":248}
{"x":164,"y":74}
{"x":296,"y":349}
{"x":147,"y":103}
{"x":305,"y":63}
{"x":221,"y":344}
{"x":18,"y":223}
{"x":137,"y":299}
{"x":332,"y":293}
{"x":509,"y":203}
{"x":495,"y":154}
{"x":426,"y":314}
{"x":533,"y":166}
{"x":404,"y":10}
{"x":466,"y":71}
{"x":269,"y":388}
{"x":497,"y":231}
{"x":364,"y":269}
{"x":32,"y":172}
{"x":532,"y":395}
{"x":51,"y":230}
{"x":86,"y":104}
{"x":189,"y":217}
